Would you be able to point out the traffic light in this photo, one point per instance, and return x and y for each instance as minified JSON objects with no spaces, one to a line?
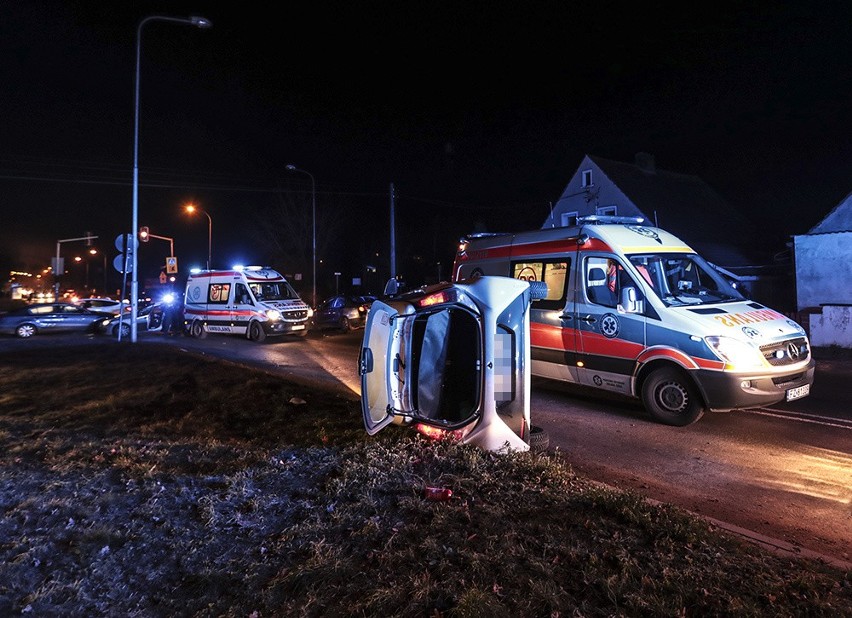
{"x":143,"y":233}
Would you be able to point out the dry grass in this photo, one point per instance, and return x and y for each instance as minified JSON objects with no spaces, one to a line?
{"x":140,"y":481}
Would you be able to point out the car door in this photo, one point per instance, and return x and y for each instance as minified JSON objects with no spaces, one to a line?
{"x":240,"y":307}
{"x":609,"y":338}
{"x":381,"y":368}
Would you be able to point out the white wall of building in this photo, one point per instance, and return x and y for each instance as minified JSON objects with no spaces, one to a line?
{"x":823,"y":269}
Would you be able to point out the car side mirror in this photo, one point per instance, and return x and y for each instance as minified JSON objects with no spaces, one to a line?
{"x":630,"y":301}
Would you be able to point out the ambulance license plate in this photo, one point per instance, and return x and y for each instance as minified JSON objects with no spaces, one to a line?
{"x":798,"y":393}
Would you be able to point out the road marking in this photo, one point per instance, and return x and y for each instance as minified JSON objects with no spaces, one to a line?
{"x":803,"y":418}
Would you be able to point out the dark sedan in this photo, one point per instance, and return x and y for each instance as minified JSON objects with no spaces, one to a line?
{"x":50,"y":318}
{"x":343,"y":312}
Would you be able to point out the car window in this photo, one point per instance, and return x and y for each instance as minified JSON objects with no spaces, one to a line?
{"x":45,"y":309}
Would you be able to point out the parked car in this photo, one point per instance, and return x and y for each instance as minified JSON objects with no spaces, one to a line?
{"x":148,"y":318}
{"x":453,"y":360}
{"x":43,"y":318}
{"x":344,"y":312}
{"x":103,"y":305}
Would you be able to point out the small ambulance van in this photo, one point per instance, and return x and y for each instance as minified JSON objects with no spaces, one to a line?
{"x":253,"y":301}
{"x":633,"y":310}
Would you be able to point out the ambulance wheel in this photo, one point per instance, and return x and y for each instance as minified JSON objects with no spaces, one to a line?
{"x":539,"y":439}
{"x":197,"y":330}
{"x":256,"y":332}
{"x":671,"y":398}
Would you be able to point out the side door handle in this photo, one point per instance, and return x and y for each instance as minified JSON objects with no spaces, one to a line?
{"x":588,"y":319}
{"x":566,"y":316}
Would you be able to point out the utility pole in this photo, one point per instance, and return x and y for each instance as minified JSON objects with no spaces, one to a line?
{"x":392,"y":235}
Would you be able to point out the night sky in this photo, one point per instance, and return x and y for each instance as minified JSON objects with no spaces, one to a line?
{"x":478,"y":112}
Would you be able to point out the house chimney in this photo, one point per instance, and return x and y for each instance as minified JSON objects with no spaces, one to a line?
{"x":645,"y":162}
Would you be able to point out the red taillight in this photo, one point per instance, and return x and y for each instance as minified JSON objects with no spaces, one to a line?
{"x":438,"y":298}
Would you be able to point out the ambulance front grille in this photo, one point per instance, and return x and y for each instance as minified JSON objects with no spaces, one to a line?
{"x":786,"y":352}
{"x":294,"y":316}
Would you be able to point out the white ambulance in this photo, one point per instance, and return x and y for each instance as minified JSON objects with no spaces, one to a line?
{"x":253,"y":301}
{"x":632,"y":309}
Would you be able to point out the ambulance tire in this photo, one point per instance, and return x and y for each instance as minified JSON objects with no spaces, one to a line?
{"x":256,"y":332}
{"x":197,"y":330}
{"x":671,"y":398}
{"x":539,"y":439}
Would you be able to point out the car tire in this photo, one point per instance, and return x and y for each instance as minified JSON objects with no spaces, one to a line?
{"x":671,"y":398}
{"x":25,"y":331}
{"x":539,"y":439}
{"x":345,"y":325}
{"x":197,"y":330}
{"x":256,"y":332}
{"x":124,"y":328}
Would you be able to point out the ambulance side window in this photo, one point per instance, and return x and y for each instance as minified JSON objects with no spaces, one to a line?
{"x":218,"y":293}
{"x":604,"y":280}
{"x":241,"y":295}
{"x":553,"y":272}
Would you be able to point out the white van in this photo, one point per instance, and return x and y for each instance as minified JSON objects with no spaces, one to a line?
{"x":632,"y":309}
{"x":253,"y":301}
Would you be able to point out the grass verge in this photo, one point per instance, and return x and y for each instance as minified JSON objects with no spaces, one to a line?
{"x":142,"y":481}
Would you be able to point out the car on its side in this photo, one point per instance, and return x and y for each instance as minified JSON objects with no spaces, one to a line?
{"x":453,"y":360}
{"x":41,"y":318}
{"x":345,"y":312}
{"x":148,"y":318}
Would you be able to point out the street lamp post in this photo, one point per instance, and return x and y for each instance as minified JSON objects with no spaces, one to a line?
{"x":293,"y":168}
{"x":199,"y":22}
{"x":191,"y":208}
{"x":94,"y":252}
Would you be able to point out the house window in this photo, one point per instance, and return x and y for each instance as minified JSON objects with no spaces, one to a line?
{"x":607,"y":210}
{"x":569,"y":218}
{"x":587,"y":178}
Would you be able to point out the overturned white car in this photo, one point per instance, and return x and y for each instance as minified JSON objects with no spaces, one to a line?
{"x":453,"y":359}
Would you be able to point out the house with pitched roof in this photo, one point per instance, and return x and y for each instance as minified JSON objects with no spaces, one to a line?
{"x":823,"y":259}
{"x":682,"y":204}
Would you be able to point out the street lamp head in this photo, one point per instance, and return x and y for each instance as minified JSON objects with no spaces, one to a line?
{"x":200,"y":22}
{"x":291,"y":167}
{"x":190,"y":208}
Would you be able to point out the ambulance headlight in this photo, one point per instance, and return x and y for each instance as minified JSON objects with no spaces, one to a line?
{"x":736,"y":354}
{"x":273,"y":315}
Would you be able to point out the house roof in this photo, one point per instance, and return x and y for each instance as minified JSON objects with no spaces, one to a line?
{"x":689,"y":208}
{"x":838,"y":220}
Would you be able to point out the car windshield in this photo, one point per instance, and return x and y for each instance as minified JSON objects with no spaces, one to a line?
{"x":684,"y":279}
{"x":279,"y":290}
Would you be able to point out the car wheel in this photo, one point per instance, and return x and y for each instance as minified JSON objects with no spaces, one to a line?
{"x":197,"y":330}
{"x":256,"y":332}
{"x":539,"y":439}
{"x":671,"y":398}
{"x":124,"y":328}
{"x":345,"y":326}
{"x":25,"y":331}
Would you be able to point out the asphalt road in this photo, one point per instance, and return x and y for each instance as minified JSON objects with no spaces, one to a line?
{"x":780,"y":475}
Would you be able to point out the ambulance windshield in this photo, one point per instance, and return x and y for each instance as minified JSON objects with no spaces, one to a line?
{"x":684,"y":279}
{"x":279,"y":290}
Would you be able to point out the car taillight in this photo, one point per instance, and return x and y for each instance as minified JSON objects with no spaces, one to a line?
{"x":438,"y":298}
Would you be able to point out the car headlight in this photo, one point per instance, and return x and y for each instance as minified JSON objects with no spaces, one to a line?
{"x":273,"y":314}
{"x":736,"y":354}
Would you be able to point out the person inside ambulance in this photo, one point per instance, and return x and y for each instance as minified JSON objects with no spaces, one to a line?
{"x":606,"y":282}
